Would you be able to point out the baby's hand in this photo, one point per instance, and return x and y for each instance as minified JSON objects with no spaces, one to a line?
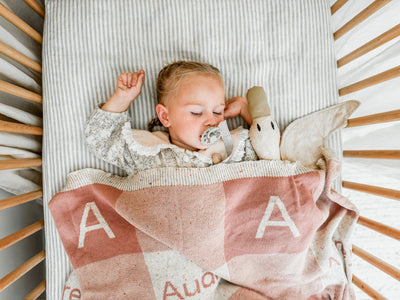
{"x":129,"y":85}
{"x":238,"y":106}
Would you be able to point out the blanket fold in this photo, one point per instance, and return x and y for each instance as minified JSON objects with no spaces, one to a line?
{"x":251,"y":230}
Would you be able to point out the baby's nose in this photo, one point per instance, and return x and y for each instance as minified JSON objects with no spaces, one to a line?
{"x":212,"y":121}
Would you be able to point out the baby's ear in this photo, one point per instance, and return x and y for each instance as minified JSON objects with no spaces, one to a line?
{"x":162,"y":113}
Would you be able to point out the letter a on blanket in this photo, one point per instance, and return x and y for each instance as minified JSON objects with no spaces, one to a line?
{"x":274,"y":200}
{"x":83,"y":229}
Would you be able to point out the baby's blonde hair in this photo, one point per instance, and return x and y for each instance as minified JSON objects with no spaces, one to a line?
{"x":172,"y":74}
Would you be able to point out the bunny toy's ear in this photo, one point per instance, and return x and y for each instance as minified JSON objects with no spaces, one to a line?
{"x":258,"y":102}
{"x":264,"y":132}
{"x":303,"y":138}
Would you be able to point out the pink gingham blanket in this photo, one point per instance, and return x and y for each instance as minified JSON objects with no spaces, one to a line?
{"x":251,"y":230}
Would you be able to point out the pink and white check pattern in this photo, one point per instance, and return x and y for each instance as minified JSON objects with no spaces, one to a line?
{"x":252,"y":230}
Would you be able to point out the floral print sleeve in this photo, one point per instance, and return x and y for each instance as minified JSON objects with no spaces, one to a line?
{"x":103,"y":133}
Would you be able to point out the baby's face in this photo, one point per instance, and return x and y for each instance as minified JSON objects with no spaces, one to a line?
{"x":197,"y":104}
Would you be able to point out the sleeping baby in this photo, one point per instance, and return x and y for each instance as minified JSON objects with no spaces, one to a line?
{"x":191,"y":100}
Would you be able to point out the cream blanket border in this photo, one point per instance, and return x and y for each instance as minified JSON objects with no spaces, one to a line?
{"x":186,"y":176}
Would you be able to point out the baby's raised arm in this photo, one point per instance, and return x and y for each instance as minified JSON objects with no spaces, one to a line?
{"x":129,"y":87}
{"x":104,"y":129}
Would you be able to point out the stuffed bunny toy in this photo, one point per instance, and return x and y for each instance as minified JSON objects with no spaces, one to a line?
{"x":303,"y":139}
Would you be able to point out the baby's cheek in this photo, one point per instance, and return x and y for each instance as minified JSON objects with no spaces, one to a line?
{"x":190,"y":127}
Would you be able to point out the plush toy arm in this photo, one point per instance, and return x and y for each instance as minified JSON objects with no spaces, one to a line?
{"x":303,"y":138}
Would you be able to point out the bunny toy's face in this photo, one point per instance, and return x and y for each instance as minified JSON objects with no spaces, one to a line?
{"x":265,"y":137}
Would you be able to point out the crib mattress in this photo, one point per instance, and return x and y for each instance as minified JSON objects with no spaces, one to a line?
{"x":285,"y":46}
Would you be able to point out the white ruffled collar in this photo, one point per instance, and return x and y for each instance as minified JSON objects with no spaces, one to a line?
{"x":148,"y":143}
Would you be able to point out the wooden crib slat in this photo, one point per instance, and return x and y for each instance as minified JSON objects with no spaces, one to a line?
{"x":377,"y":262}
{"x":21,"y":234}
{"x":36,"y":7}
{"x":367,"y":289}
{"x":37,"y":291}
{"x":19,"y":57}
{"x":20,"y":163}
{"x":19,"y":23}
{"x":373,"y":80}
{"x":21,"y":270}
{"x":363,"y":15}
{"x":375,"y":43}
{"x":20,"y":199}
{"x":389,"y":116}
{"x":20,"y":128}
{"x":379,"y":227}
{"x":374,"y":154}
{"x":337,"y":5}
{"x":370,"y":189}
{"x":15,"y":90}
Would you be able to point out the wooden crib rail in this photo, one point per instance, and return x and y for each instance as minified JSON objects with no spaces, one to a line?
{"x":363,"y":15}
{"x":36,"y":7}
{"x":379,"y":227}
{"x":374,"y":154}
{"x":367,"y":289}
{"x":21,"y":270}
{"x":20,"y":24}
{"x":370,"y":189}
{"x":37,"y":291}
{"x":389,"y":116}
{"x":21,"y":234}
{"x":15,"y":90}
{"x":370,"y":81}
{"x":20,"y":163}
{"x":20,"y":199}
{"x":19,"y":57}
{"x":377,"y":262}
{"x":371,"y":45}
{"x":20,"y":128}
{"x":337,"y":5}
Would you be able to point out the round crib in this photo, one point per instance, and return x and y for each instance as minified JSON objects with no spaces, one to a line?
{"x":28,"y":278}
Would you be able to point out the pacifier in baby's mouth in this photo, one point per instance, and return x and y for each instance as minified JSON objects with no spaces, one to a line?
{"x":213,"y":134}
{"x":210,"y":136}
